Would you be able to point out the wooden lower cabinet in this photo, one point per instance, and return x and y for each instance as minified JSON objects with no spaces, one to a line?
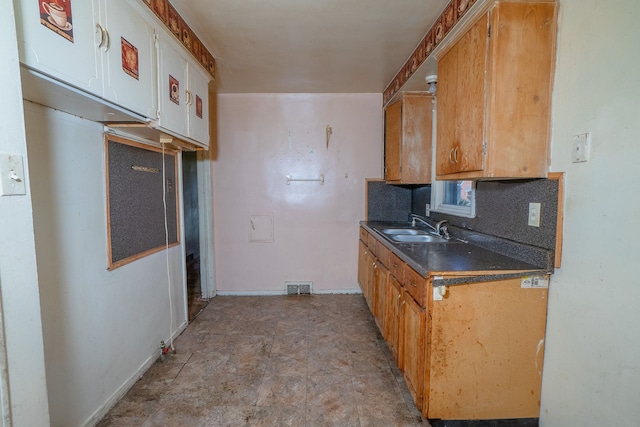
{"x":486,"y":352}
{"x":362,"y":264}
{"x":415,"y":351}
{"x":379,"y":297}
{"x":394,"y":319}
{"x":475,"y":354}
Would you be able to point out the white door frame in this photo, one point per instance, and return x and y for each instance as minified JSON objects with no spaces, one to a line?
{"x":205,"y":219}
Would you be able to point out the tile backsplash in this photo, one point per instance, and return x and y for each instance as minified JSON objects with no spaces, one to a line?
{"x":501,"y":208}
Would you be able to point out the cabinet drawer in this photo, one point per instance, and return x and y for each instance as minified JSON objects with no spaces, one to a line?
{"x":372,"y":243}
{"x":395,"y":266}
{"x":364,"y":234}
{"x":415,"y":284}
{"x":382,"y":253}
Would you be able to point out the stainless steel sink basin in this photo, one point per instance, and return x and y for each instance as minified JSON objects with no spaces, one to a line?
{"x":404,"y":231}
{"x":421,"y":238}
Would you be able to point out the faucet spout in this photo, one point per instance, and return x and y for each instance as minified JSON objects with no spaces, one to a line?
{"x":415,"y":218}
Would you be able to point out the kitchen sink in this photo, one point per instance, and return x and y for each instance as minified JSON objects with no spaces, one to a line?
{"x":404,"y":231}
{"x":418,"y":238}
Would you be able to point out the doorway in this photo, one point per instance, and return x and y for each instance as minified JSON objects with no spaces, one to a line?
{"x":196,"y":301}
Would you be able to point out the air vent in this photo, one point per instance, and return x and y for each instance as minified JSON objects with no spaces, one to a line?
{"x":298,"y":288}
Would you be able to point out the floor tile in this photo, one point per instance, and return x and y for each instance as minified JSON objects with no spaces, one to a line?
{"x":283,"y":390}
{"x":273,"y":361}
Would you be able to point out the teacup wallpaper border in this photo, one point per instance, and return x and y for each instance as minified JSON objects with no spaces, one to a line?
{"x":177,"y":26}
{"x":445,"y":22}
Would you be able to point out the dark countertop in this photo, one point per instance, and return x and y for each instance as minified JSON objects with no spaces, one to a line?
{"x":474,"y":259}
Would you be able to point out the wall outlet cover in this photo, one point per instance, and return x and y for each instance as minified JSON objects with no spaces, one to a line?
{"x":580,"y":148}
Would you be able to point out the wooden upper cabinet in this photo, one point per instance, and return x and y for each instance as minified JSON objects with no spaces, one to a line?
{"x":408,"y":129}
{"x":461,"y":90}
{"x":494,"y":95}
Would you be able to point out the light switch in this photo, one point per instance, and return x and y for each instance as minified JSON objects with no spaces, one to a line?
{"x":11,"y":175}
{"x":534,"y":214}
{"x":580,"y":148}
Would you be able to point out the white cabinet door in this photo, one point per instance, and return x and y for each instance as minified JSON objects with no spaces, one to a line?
{"x":198,"y":105}
{"x":128,"y":62}
{"x":59,"y":38}
{"x":172,"y":87}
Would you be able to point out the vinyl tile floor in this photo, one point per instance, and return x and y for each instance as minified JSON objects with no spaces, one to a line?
{"x":273,"y":361}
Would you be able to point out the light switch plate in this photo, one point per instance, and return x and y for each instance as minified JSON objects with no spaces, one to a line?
{"x":11,"y":175}
{"x":534,"y":214}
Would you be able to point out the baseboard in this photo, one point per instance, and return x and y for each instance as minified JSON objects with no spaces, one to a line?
{"x":283,"y":292}
{"x":515,"y":422}
{"x":119,"y":394}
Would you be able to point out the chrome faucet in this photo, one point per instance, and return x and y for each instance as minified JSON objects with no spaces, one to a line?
{"x":439,"y":226}
{"x":415,"y":217}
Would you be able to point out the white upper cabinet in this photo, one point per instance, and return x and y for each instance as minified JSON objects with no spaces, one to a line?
{"x":113,"y":53}
{"x":104,"y":47}
{"x":128,"y":57}
{"x":198,"y":105}
{"x":60,"y":40}
{"x":183,"y":89}
{"x":172,"y":87}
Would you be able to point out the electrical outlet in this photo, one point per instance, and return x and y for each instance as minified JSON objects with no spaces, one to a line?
{"x":534,"y":214}
{"x":427,"y":210}
{"x":580,"y":148}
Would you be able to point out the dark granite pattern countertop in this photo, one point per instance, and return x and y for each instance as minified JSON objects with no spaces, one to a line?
{"x":463,"y":258}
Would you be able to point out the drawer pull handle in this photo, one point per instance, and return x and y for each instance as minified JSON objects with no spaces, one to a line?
{"x":413,"y":284}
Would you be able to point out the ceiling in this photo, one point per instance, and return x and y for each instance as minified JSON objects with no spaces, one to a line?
{"x":309,"y":46}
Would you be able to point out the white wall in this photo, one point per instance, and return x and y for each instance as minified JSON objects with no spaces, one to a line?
{"x":592,"y":359}
{"x":100,"y":327}
{"x":22,"y":373}
{"x":262,"y":138}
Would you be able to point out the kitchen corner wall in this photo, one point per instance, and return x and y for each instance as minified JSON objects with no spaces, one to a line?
{"x":262,"y":138}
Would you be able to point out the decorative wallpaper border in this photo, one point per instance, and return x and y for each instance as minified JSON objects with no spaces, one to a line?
{"x":179,"y":28}
{"x":455,"y":10}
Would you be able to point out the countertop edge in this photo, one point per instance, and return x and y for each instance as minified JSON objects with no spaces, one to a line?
{"x":483,"y":241}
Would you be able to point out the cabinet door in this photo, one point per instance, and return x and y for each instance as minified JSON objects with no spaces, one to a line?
{"x":487,"y":351}
{"x":129,"y":66}
{"x":392,"y":141}
{"x":414,"y":334}
{"x":62,"y":43}
{"x":379,"y":292}
{"x":392,"y":320}
{"x":370,"y":278}
{"x":172,"y":82}
{"x":198,"y":105}
{"x":362,"y":264}
{"x":461,"y":103}
{"x":415,"y":159}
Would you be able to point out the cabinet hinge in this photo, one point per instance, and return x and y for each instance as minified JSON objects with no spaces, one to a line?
{"x":484,"y":148}
{"x":489,"y":32}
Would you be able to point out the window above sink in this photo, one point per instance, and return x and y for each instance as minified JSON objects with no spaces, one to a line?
{"x":454,"y":198}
